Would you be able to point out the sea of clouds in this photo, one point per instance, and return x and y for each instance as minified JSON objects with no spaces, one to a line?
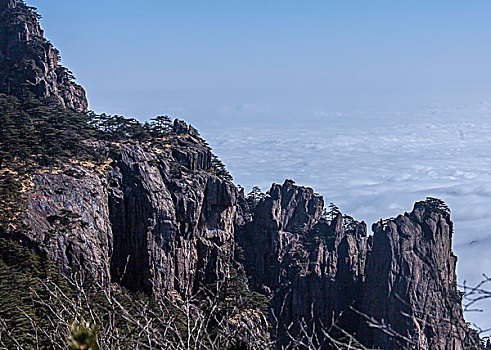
{"x":376,"y":165}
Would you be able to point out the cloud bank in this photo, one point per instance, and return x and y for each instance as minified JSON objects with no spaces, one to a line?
{"x":378,"y":165}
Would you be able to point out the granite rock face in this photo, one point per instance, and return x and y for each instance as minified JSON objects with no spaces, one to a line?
{"x":163,"y":219}
{"x":411,"y":284}
{"x":29,"y":64}
{"x":147,"y":220}
{"x":311,"y":267}
{"x":268,"y":236}
{"x":393,"y":290}
{"x":68,"y":219}
{"x":164,"y":224}
{"x":168,"y":230}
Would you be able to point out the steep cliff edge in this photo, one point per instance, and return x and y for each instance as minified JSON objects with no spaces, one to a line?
{"x":140,"y":226}
{"x":394,"y":290}
{"x":149,"y":207}
{"x":411,"y":284}
{"x":168,"y":228}
{"x":311,"y":265}
{"x":29,"y":63}
{"x":153,"y":219}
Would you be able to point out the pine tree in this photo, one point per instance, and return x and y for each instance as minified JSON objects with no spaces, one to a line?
{"x":331,"y":213}
{"x":254,"y":197}
{"x":220,"y":169}
{"x":161,"y":125}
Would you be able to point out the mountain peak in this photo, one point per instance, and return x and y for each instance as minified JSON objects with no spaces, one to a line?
{"x":30,"y":65}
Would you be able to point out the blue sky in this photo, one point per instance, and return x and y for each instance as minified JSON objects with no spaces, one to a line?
{"x":375,"y":104}
{"x":191,"y":58}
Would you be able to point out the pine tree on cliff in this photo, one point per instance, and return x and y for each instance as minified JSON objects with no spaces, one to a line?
{"x":332,"y":212}
{"x":220,"y":169}
{"x":254,"y":197}
{"x":437,"y":204}
{"x":161,"y":125}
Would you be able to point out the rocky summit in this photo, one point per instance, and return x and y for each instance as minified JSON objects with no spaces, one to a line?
{"x":29,"y":63}
{"x":149,"y":209}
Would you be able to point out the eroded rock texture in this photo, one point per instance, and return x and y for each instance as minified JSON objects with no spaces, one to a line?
{"x":29,"y":63}
{"x":168,"y":230}
{"x":311,"y":267}
{"x":153,"y":220}
{"x":411,"y":287}
{"x":159,"y":221}
{"x":163,"y":219}
{"x":395,"y":290}
{"x":68,"y":219}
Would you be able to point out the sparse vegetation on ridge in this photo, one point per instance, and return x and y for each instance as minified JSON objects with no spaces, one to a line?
{"x":188,"y":260}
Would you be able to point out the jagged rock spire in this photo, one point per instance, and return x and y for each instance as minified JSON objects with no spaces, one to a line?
{"x":29,"y":64}
{"x":411,"y":287}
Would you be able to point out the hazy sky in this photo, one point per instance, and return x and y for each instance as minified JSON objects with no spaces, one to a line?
{"x":254,"y":59}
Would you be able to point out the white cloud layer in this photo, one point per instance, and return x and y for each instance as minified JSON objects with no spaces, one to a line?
{"x":378,"y":165}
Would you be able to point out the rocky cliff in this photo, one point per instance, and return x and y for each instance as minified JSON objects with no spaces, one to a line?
{"x":157,"y":214}
{"x":312,"y":268}
{"x":145,"y":226}
{"x":411,"y":284}
{"x":393,"y":290}
{"x":29,"y":64}
{"x":168,"y":228}
{"x":154,"y":220}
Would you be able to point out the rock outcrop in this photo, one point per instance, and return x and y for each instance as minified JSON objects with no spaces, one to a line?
{"x":168,"y":229}
{"x":148,"y":222}
{"x":395,"y":290}
{"x":273,"y":229}
{"x":162,"y":216}
{"x":312,"y":268}
{"x":68,"y":219}
{"x":29,"y":64}
{"x":411,"y":288}
{"x":152,"y":220}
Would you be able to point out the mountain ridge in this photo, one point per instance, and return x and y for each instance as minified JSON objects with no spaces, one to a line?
{"x":149,"y":208}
